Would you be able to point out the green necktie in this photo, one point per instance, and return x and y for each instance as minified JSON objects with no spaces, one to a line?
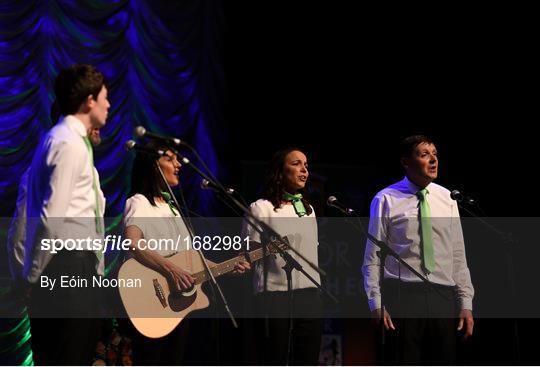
{"x":167,"y":197}
{"x":97,"y":211}
{"x":298,"y":204}
{"x":426,"y":230}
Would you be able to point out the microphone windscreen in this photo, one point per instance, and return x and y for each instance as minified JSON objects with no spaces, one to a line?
{"x":139,"y":131}
{"x":130,"y":144}
{"x":331,"y":200}
{"x":455,"y":195}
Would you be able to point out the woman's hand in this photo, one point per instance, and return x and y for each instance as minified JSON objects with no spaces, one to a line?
{"x":177,"y":276}
{"x":241,"y":267}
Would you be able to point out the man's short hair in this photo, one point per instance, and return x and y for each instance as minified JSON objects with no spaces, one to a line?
{"x":74,"y":84}
{"x":410,"y":143}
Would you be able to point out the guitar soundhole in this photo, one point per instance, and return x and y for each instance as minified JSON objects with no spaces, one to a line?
{"x":179,"y":301}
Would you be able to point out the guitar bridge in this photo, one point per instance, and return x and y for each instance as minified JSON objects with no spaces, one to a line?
{"x":159,"y":293}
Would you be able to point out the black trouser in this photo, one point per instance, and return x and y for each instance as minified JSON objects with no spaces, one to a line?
{"x":65,"y":323}
{"x":166,"y":351}
{"x":307,"y":327}
{"x":425,"y":323}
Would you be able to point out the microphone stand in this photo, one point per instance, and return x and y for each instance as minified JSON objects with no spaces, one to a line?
{"x":259,"y":225}
{"x":205,"y":263}
{"x":384,"y":251}
{"x":266,"y":231}
{"x":509,"y":242}
{"x":290,"y":265}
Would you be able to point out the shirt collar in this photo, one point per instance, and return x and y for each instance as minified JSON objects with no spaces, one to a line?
{"x":76,"y":125}
{"x":414,"y":188}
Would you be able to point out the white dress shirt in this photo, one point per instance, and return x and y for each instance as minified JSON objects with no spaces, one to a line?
{"x":61,"y":201}
{"x":156,"y":222}
{"x":303,"y":237}
{"x":394,"y":219}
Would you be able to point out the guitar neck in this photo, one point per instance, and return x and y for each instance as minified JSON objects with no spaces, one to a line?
{"x":228,"y":266}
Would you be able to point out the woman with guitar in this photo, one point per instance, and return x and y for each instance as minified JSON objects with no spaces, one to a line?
{"x":285,"y":209}
{"x":151,"y":214}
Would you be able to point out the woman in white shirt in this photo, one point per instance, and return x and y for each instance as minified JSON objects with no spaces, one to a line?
{"x":284,"y":208}
{"x":151,"y":214}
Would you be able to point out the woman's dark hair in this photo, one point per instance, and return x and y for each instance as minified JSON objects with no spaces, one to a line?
{"x":55,"y":113}
{"x":145,"y":177}
{"x":274,"y":186}
{"x":74,"y":84}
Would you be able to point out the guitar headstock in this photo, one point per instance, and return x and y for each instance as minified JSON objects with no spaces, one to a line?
{"x":279,"y":243}
{"x":272,"y":247}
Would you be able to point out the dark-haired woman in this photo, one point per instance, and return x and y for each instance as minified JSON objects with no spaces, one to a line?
{"x":150,"y":214}
{"x":287,"y":211}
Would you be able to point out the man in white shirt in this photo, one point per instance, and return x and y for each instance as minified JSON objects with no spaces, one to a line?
{"x":420,"y":221}
{"x":17,"y":228}
{"x":65,"y":201}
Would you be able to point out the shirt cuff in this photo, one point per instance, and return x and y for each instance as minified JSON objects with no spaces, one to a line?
{"x":374,"y":304}
{"x":466,"y":303}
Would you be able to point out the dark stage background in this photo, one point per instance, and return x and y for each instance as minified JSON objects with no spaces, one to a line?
{"x":345,"y":83}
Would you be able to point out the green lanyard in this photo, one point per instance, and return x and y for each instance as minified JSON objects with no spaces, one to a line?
{"x":298,"y":204}
{"x":167,"y":197}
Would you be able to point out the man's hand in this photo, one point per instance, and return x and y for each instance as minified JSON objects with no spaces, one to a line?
{"x":466,"y":317}
{"x":376,"y":316}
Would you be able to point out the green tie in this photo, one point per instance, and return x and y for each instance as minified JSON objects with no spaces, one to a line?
{"x":167,"y":197}
{"x":97,"y":211}
{"x":298,"y":204}
{"x":427,"y":236}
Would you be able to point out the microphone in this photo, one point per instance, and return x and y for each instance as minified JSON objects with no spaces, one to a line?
{"x":333,"y":201}
{"x":132,"y":145}
{"x":206,"y":185}
{"x":141,"y":132}
{"x":460,"y":198}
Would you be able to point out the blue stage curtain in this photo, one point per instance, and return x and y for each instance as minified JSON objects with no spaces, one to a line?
{"x":163,"y":64}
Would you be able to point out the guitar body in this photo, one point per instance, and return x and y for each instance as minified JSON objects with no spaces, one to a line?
{"x":154,"y":313}
{"x":154,"y":309}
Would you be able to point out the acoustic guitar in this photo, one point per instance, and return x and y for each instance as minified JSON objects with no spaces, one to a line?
{"x":154,"y":309}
